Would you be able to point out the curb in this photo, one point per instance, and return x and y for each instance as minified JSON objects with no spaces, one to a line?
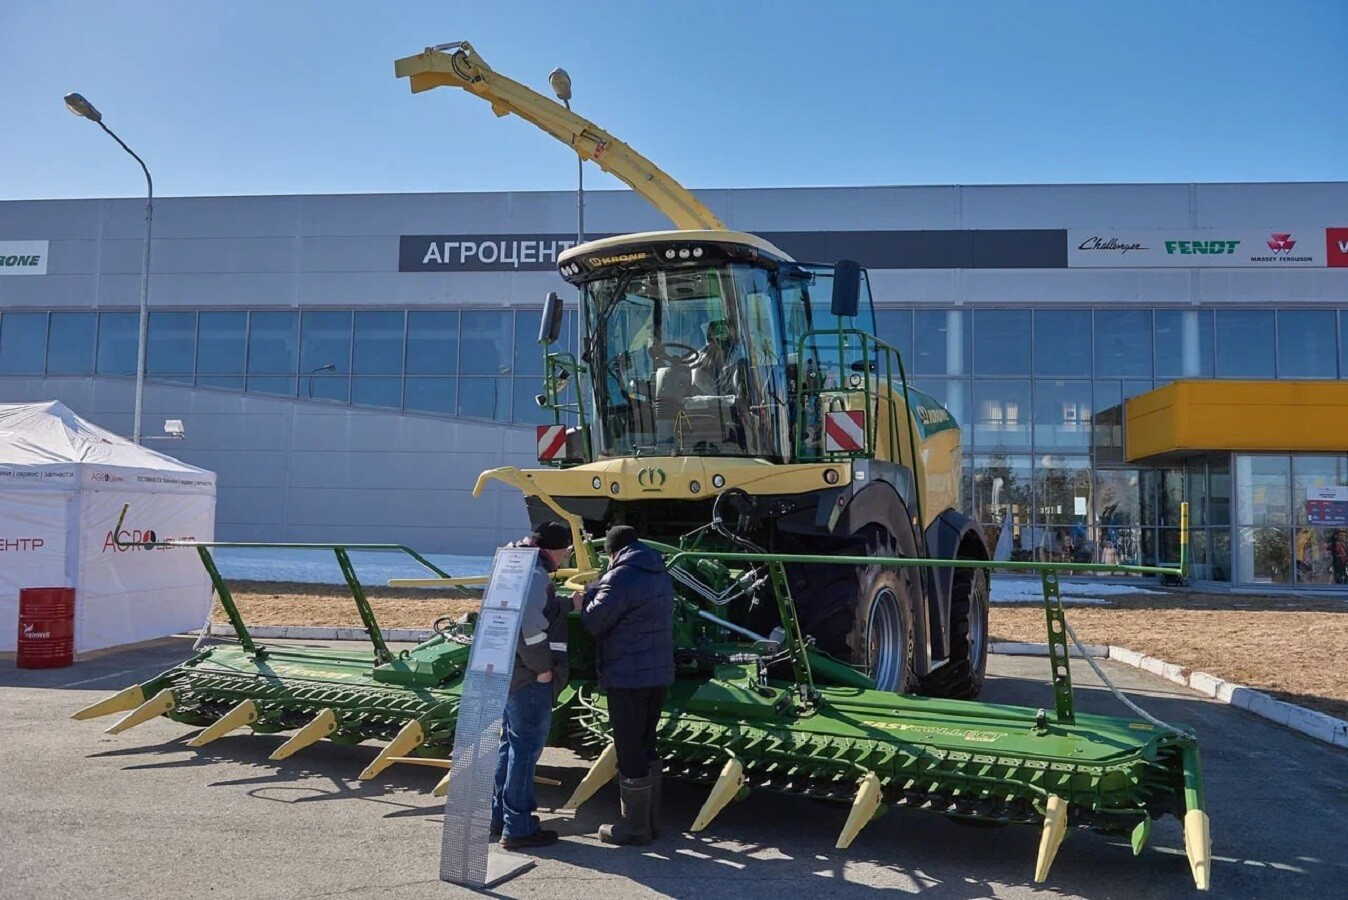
{"x":1309,"y":722}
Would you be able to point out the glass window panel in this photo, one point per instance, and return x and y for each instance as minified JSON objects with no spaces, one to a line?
{"x":171,"y":346}
{"x":1118,"y":515}
{"x":1262,"y":485}
{"x":272,"y":342}
{"x":434,"y":395}
{"x":118,"y":339}
{"x":222,"y":345}
{"x":325,"y":343}
{"x":485,"y":398}
{"x":1265,"y":555}
{"x":23,"y":338}
{"x":376,"y":391}
{"x":1135,"y":388}
{"x":1183,"y":343}
{"x":943,"y":342}
{"x":1310,"y":472}
{"x":1220,"y":549}
{"x":527,"y":410}
{"x":326,"y":387}
{"x":1001,"y":415}
{"x":1062,"y":496}
{"x":1001,"y":496}
{"x":1123,"y":343}
{"x":229,"y":382}
{"x":378,"y":343}
{"x":953,"y":394}
{"x":280,"y":385}
{"x":528,"y":359}
{"x":895,"y":327}
{"x":1244,"y":343}
{"x":1062,"y":342}
{"x":1200,"y":563}
{"x":1107,"y":422}
{"x":1002,"y":342}
{"x":1062,"y":415}
{"x":433,"y":345}
{"x":1343,"y":342}
{"x":1307,"y":345}
{"x":487,"y":342}
{"x":1322,"y":556}
{"x":1219,"y":492}
{"x":1196,"y":492}
{"x":70,"y":344}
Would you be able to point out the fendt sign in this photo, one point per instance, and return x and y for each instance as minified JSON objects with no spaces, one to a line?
{"x":23,"y":257}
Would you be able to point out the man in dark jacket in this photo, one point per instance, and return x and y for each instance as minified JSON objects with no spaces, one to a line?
{"x":630,"y":611}
{"x":536,"y":678}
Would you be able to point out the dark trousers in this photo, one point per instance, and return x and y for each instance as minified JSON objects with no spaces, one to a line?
{"x":634,"y":714}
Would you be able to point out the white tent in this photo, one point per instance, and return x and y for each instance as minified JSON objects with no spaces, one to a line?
{"x":63,"y":482}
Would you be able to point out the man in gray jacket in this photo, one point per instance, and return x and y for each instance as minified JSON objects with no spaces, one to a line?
{"x":540,"y":667}
{"x":630,"y":612}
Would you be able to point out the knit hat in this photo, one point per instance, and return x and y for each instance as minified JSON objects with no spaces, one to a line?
{"x":618,"y":537}
{"x":552,"y":536}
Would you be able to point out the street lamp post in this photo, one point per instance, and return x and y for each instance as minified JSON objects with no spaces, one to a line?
{"x":81,"y":107}
{"x":561,"y":86}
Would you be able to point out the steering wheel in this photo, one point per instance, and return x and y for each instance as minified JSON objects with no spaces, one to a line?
{"x":688,"y":355}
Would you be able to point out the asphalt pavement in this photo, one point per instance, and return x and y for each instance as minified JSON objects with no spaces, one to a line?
{"x":143,"y":815}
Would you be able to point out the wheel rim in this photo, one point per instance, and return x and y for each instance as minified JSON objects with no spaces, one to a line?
{"x":885,"y":642}
{"x":978,"y":601}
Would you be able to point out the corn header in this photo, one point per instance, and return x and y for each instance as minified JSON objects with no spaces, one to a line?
{"x":748,"y":713}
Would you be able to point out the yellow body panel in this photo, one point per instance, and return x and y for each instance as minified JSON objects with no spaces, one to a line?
{"x":1274,"y":416}
{"x":672,"y":477}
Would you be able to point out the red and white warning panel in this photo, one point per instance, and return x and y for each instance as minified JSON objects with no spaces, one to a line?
{"x":551,"y":442}
{"x":845,"y":431}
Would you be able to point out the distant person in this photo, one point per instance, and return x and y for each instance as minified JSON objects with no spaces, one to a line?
{"x":534,"y":682}
{"x":630,"y":611}
{"x":1337,"y":546}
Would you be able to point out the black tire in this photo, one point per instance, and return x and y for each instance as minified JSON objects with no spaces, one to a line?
{"x":882,"y":638}
{"x":962,"y":677}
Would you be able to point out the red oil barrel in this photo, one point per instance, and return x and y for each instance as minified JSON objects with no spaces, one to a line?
{"x":46,"y":627}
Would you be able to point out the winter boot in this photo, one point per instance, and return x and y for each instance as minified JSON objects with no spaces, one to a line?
{"x":657,"y":776}
{"x":635,"y":827}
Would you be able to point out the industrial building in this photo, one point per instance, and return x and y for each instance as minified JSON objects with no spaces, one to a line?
{"x":347,"y":364}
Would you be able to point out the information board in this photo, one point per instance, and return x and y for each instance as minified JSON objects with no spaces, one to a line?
{"x":477,"y":734}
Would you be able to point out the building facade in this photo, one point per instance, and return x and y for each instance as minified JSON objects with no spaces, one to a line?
{"x":348,"y":364}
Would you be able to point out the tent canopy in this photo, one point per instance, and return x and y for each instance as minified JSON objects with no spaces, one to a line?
{"x":45,"y":446}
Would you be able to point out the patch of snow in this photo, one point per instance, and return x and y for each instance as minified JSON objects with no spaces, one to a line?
{"x":1074,"y":593}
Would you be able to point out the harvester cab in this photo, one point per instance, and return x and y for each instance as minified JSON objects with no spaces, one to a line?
{"x":715,"y":363}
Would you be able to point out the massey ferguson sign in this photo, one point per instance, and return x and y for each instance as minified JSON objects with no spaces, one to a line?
{"x":1207,"y":248}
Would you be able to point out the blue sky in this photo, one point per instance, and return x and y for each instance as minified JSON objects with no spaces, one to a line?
{"x":293,"y":96}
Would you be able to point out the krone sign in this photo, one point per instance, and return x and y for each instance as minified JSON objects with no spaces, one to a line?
{"x":23,"y":257}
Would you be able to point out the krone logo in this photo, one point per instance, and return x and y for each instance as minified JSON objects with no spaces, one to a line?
{"x":651,"y":478}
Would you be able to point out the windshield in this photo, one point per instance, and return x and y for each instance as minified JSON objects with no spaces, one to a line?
{"x":688,"y":362}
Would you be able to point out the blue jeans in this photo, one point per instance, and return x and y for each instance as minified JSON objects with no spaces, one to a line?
{"x":524,"y":732}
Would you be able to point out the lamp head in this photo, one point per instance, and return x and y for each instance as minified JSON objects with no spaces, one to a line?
{"x":81,"y":107}
{"x":561,"y":84}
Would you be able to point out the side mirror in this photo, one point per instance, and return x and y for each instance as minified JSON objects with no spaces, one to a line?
{"x":551,"y":327}
{"x":846,"y":288}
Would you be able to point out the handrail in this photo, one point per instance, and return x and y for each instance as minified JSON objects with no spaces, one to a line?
{"x":869,"y":349}
{"x":203,"y":548}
